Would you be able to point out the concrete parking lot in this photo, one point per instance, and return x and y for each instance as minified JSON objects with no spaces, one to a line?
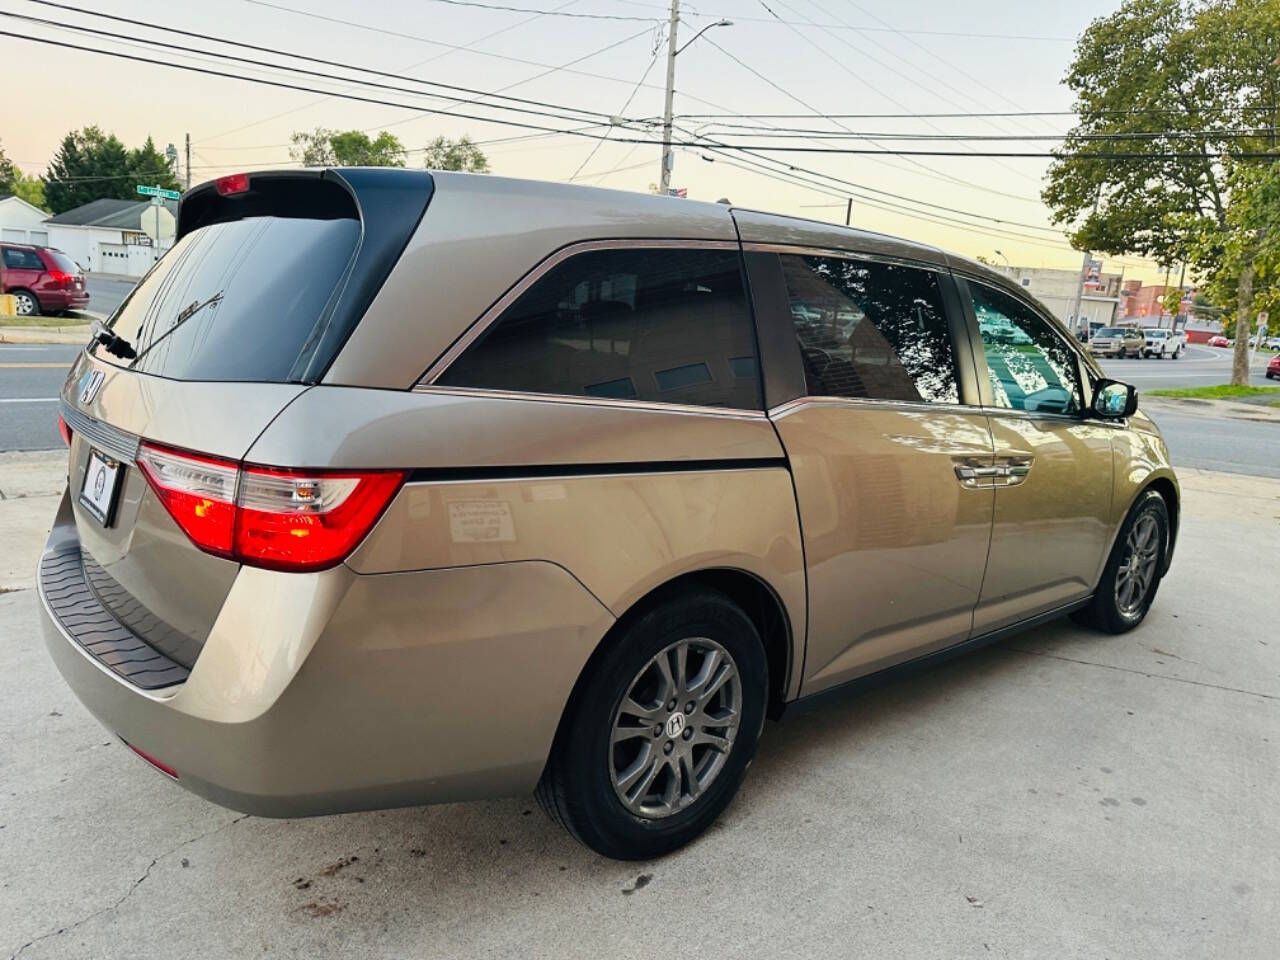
{"x":1063,"y":794}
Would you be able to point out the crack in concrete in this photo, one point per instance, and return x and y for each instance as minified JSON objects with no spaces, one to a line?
{"x":132,"y":887}
{"x":1143,"y":673}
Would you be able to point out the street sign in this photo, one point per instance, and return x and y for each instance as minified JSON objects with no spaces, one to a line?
{"x":159,"y":192}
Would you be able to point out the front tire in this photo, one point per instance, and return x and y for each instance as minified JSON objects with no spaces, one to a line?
{"x":634,"y":772}
{"x":1134,"y":569}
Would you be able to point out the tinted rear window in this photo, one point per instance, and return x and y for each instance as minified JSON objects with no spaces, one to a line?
{"x":62,"y":261}
{"x":664,"y":326}
{"x":237,"y":300}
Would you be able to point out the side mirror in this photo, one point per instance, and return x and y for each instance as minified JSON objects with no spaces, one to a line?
{"x":1113,"y":400}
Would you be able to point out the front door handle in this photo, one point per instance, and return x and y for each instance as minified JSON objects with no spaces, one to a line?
{"x":1006,"y":472}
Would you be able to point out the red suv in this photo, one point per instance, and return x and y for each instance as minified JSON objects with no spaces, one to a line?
{"x":43,"y":280}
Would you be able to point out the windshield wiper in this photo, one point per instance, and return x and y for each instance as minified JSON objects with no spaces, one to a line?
{"x":114,"y":344}
{"x":185,"y":314}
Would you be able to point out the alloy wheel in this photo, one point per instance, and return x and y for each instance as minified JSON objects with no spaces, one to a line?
{"x":675,"y":727}
{"x":1136,"y":574}
{"x":25,"y":304}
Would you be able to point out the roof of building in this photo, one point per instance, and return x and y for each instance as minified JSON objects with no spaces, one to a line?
{"x":112,"y":214}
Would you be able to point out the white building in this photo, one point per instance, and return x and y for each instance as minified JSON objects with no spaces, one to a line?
{"x":20,"y":222}
{"x":114,"y":236}
{"x":1057,"y":290}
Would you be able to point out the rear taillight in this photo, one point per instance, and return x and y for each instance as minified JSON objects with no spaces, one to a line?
{"x":62,"y":279}
{"x":199,"y":493}
{"x":64,"y":430}
{"x":264,"y":516}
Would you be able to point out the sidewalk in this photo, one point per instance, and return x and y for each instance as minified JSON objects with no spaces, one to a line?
{"x":30,"y":484}
{"x":1209,"y":409}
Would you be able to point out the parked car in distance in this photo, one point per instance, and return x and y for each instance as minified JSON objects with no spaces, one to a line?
{"x":1273,"y":368}
{"x":1118,"y":342}
{"x":1272,"y":343}
{"x":488,"y":487}
{"x":1218,"y":340}
{"x":1159,"y":342}
{"x":42,"y":279}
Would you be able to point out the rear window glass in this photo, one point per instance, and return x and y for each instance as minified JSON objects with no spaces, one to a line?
{"x":237,"y":300}
{"x":1110,"y":332}
{"x":62,"y":261}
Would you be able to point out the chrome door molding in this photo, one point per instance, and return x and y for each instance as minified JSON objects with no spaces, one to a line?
{"x":655,"y":406}
{"x":479,"y":326}
{"x":871,"y":403}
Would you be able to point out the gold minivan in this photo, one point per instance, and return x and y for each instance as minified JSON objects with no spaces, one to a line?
{"x":388,"y":488}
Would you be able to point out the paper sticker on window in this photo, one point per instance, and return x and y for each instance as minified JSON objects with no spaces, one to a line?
{"x":481,"y":521}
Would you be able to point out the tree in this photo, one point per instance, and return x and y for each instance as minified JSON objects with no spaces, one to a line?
{"x":30,"y":189}
{"x":461,"y":154}
{"x":91,"y":165}
{"x":346,"y":148}
{"x":1159,"y":78}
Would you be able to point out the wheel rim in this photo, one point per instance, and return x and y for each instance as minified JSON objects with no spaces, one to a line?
{"x":26,"y":306}
{"x":662,"y":755}
{"x":1137,"y":571}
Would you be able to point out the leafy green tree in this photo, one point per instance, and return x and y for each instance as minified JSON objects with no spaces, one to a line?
{"x":30,"y":189}
{"x":148,"y":166}
{"x":91,"y":165}
{"x":346,"y":148}
{"x":461,"y":154}
{"x":9,"y":173}
{"x":1158,"y":78}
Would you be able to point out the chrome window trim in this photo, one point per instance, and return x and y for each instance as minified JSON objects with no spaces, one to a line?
{"x":537,"y":272}
{"x":656,"y":406}
{"x":810,"y":251}
{"x":906,"y":406}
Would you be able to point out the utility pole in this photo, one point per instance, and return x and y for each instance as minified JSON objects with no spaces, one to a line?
{"x":664,"y":181}
{"x":1084,"y":273}
{"x":188,"y":167}
{"x":848,"y":212}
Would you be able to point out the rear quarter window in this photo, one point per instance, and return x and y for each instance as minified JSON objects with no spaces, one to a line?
{"x":655,"y":325}
{"x":239,"y":300}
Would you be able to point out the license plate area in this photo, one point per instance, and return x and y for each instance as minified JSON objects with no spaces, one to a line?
{"x":101,"y":487}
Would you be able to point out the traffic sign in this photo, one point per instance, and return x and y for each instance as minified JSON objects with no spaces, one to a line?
{"x":159,"y":192}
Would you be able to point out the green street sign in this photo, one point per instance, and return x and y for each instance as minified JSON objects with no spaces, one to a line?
{"x":159,"y":192}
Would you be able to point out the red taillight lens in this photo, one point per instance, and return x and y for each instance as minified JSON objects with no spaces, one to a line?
{"x":62,"y":279}
{"x":267,"y":517}
{"x":199,"y":493}
{"x":295,"y":520}
{"x":64,"y":430}
{"x":230,"y":185}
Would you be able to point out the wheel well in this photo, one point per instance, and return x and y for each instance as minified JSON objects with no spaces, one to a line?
{"x":756,"y":599}
{"x":1164,"y":486}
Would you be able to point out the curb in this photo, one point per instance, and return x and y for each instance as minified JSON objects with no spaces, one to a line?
{"x":77,"y":335}
{"x":1211,"y":409}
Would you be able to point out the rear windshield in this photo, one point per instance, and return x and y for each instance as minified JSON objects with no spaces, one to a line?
{"x":1110,"y":332}
{"x":62,"y":261}
{"x":1157,"y":334}
{"x":237,"y":300}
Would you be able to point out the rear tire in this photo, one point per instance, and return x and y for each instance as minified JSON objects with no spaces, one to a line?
{"x":26,"y":303}
{"x":635,"y":796}
{"x":1134,"y":569}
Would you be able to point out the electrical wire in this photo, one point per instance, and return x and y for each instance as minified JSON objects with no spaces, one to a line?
{"x":657,"y":47}
{"x":544,"y":13}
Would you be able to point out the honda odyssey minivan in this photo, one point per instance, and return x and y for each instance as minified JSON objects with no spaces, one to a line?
{"x":390,"y":487}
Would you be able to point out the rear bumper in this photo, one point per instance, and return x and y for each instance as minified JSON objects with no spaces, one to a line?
{"x":62,"y":299}
{"x":333,"y":691}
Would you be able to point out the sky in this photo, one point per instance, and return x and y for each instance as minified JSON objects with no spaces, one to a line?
{"x":829,"y":57}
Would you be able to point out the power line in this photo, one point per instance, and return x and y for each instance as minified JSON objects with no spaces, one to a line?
{"x":648,"y":140}
{"x":816,"y":134}
{"x":544,"y":13}
{"x":414,"y":66}
{"x":910,"y":116}
{"x":285,"y":53}
{"x":657,"y":48}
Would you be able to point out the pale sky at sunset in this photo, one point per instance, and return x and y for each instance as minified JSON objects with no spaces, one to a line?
{"x":235,"y":125}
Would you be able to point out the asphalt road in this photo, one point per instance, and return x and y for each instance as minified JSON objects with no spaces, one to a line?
{"x":106,"y":293}
{"x":30,"y":377}
{"x":1198,"y":367}
{"x":1065,"y":794}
